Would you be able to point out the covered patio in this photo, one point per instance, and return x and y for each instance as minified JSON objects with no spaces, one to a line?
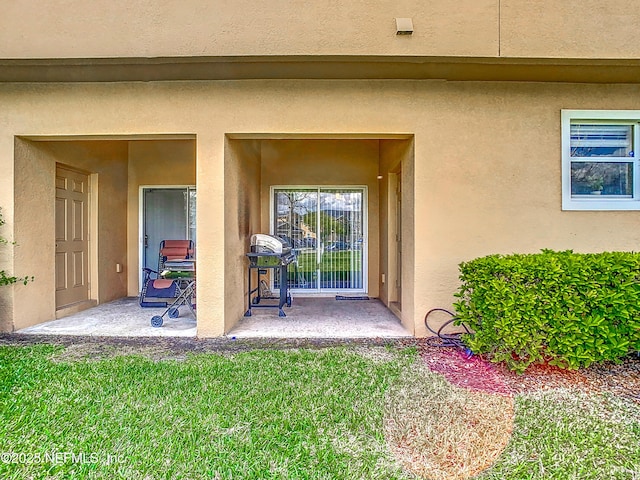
{"x":319,"y":317}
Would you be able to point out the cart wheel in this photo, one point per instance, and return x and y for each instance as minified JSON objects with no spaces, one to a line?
{"x":256,"y":300}
{"x":288,"y":301}
{"x":156,"y":321}
{"x":174,"y":312}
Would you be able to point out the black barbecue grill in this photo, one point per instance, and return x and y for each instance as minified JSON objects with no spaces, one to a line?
{"x":269,"y":252}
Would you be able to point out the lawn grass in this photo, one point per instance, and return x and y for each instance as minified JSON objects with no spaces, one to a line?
{"x":271,"y":414}
{"x":571,"y":435}
{"x":338,"y":261}
{"x":445,"y":432}
{"x":262,"y":414}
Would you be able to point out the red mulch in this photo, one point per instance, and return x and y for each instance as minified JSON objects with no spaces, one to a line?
{"x":476,"y":373}
{"x":472,"y":372}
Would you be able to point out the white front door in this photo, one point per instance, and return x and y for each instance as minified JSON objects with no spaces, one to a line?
{"x":326,"y":226}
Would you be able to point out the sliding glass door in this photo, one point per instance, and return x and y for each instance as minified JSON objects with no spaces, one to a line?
{"x":326,"y":227}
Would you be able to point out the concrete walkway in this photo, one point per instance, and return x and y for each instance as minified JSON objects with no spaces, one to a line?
{"x":323,"y":317}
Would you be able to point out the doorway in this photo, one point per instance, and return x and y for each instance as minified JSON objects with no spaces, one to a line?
{"x":326,"y":227}
{"x":395,"y":241}
{"x":168,"y":213}
{"x":71,"y":236}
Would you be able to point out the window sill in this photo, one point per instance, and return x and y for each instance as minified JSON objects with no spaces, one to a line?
{"x":588,"y":203}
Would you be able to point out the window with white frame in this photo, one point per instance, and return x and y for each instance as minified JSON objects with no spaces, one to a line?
{"x":599,"y":160}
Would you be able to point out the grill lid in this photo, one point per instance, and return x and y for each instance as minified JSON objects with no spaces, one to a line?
{"x":262,"y":243}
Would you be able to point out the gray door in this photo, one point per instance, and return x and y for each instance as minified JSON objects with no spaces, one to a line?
{"x":168,"y":214}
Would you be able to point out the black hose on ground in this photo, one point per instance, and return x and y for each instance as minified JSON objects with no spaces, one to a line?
{"x":442,"y":339}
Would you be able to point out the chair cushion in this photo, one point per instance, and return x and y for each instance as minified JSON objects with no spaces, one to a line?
{"x":161,"y":283}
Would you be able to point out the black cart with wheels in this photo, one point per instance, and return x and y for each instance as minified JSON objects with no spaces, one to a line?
{"x":183,"y":275}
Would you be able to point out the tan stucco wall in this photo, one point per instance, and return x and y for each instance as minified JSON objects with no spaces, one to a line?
{"x":144,"y":28}
{"x":34,"y":230}
{"x":474,"y":28}
{"x":35,"y":163}
{"x":253,"y":166}
{"x":413,"y":278}
{"x":396,"y":167}
{"x":390,"y":164}
{"x":242,"y":219}
{"x":326,"y":162}
{"x":210,"y":219}
{"x":570,"y":29}
{"x":153,"y":162}
{"x":486,"y":175}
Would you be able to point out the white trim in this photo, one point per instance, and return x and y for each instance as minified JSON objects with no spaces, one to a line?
{"x":365,"y":233}
{"x":588,"y":202}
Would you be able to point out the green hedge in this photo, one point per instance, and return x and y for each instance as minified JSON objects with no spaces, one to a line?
{"x":564,"y":308}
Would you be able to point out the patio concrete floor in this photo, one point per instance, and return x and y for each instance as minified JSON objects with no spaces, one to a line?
{"x":319,"y":317}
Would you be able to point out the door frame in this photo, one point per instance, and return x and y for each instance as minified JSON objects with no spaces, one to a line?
{"x":92,"y":248}
{"x":365,"y":241}
{"x":394,"y":240}
{"x":141,"y":191}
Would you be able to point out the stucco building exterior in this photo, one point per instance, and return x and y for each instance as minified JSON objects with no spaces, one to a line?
{"x":464,"y":138}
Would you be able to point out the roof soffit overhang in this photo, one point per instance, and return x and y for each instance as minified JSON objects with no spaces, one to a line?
{"x":320,"y":67}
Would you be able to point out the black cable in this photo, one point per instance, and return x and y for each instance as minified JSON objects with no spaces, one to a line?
{"x":446,"y":339}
